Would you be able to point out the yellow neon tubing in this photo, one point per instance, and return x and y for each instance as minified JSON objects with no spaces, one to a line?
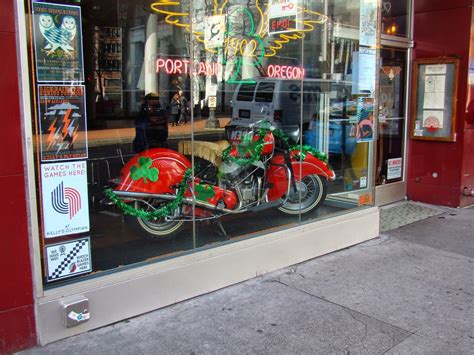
{"x":273,"y":49}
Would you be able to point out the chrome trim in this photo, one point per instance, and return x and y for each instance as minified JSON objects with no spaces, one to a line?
{"x":187,"y":200}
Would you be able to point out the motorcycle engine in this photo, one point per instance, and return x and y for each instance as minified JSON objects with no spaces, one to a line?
{"x":239,"y":178}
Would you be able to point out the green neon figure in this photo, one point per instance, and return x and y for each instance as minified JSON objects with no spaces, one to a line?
{"x":243,"y":56}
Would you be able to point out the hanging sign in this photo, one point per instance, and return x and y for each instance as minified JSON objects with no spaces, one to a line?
{"x":283,"y":17}
{"x":368,"y":23}
{"x":214,"y":33}
{"x":58,"y":42}
{"x":62,"y":121}
{"x":65,"y":198}
{"x":68,"y":259}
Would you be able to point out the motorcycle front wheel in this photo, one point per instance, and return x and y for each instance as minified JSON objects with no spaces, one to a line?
{"x":154,"y":229}
{"x":313,"y":191}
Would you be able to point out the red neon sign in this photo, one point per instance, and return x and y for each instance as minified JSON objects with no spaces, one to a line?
{"x":285,"y":72}
{"x":182,"y":66}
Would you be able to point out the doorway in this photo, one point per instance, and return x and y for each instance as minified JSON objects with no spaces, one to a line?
{"x":391,"y":145}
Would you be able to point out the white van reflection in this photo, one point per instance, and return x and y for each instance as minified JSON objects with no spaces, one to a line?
{"x":279,"y":101}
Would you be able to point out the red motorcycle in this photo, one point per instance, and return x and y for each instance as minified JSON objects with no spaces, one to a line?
{"x":258,"y":167}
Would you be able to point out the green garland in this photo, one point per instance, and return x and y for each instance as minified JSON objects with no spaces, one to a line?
{"x":259,"y":144}
{"x":255,"y":155}
{"x":166,"y":210}
{"x":304,"y":149}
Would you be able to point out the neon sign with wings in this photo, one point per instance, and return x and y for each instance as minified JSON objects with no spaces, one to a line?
{"x":174,"y":15}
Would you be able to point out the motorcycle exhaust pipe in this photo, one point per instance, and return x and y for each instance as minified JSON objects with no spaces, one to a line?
{"x":187,"y":200}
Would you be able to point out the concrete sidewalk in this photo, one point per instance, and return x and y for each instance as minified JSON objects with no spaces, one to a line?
{"x":409,"y":291}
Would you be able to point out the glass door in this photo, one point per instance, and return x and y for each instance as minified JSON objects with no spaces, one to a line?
{"x":392,"y":119}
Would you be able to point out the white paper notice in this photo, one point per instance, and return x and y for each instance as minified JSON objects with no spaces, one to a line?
{"x":434,"y":100}
{"x":433,"y":119}
{"x":430,"y":83}
{"x":394,"y":168}
{"x":435,"y":83}
{"x":436,"y":69}
{"x":65,"y":198}
{"x":440,"y":83}
{"x":367,"y":69}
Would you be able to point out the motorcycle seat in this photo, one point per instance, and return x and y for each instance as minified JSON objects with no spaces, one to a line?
{"x":210,"y":151}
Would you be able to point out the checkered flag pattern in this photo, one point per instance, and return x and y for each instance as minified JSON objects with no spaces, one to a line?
{"x":69,"y":257}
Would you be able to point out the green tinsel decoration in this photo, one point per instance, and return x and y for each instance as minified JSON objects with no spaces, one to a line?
{"x":166,"y":210}
{"x":259,"y":144}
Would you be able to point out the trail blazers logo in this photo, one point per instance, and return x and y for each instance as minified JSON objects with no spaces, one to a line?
{"x":66,"y":200}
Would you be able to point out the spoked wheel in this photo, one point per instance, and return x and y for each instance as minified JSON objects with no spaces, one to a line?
{"x":312,"y":189}
{"x":155,"y":229}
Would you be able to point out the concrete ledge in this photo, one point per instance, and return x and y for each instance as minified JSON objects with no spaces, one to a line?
{"x":132,"y":292}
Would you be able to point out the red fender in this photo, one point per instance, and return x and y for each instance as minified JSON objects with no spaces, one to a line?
{"x":171,"y":167}
{"x":277,"y":174}
{"x":313,"y":165}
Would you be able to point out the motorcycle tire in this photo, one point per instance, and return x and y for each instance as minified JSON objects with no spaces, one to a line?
{"x":313,"y":193}
{"x":154,"y":229}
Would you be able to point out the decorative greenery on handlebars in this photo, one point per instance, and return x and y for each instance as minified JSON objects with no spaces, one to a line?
{"x":163,"y":211}
{"x":254,"y":149}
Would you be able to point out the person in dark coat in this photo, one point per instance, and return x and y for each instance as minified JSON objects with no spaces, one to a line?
{"x":183,"y":116}
{"x":175,"y":109}
{"x":151,"y":125}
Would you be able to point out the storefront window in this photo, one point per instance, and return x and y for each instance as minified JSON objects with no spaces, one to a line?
{"x":165,"y":127}
{"x":395,"y":17}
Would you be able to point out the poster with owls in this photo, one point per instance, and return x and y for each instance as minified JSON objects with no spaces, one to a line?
{"x":58,"y":42}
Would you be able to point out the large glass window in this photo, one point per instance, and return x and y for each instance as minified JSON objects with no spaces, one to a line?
{"x":165,"y":127}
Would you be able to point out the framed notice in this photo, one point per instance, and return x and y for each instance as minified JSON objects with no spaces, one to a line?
{"x":62,"y":122}
{"x":58,"y":42}
{"x":434,"y":99}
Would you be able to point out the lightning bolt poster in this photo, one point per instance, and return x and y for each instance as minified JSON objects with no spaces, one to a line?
{"x":58,"y":42}
{"x":65,"y":198}
{"x":62,"y":122}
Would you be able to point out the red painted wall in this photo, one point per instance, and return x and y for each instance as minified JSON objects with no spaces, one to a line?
{"x":17,"y":326}
{"x":436,"y":169}
{"x":467,"y":178}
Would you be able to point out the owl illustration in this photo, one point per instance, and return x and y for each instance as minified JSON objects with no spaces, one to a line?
{"x":69,"y":28}
{"x":57,"y":37}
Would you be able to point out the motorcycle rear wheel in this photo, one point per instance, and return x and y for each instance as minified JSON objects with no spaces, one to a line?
{"x":313,"y":190}
{"x":155,"y":229}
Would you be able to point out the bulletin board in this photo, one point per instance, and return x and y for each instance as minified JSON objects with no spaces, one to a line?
{"x":434,"y":99}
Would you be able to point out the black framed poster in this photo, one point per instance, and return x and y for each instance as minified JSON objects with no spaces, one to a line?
{"x":58,"y":43}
